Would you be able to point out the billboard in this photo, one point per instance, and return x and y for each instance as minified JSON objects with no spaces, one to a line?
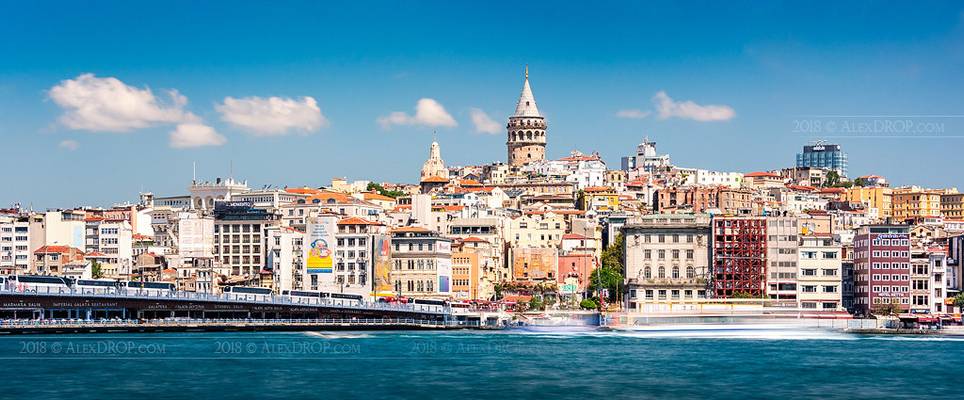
{"x":382,"y":258}
{"x":195,"y":235}
{"x":320,"y":246}
{"x":444,"y":268}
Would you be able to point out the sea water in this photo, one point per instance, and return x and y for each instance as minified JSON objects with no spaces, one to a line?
{"x":548,"y":364}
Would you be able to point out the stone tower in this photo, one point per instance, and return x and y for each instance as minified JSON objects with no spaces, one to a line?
{"x":434,"y":167}
{"x":527,"y":129}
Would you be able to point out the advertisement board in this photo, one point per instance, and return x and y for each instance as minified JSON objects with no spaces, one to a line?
{"x":320,"y":246}
{"x":383,"y":265}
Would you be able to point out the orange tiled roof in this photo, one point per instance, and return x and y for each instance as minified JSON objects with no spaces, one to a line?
{"x":52,"y":249}
{"x":473,"y":239}
{"x":597,"y":189}
{"x":761,"y":174}
{"x":434,"y":179}
{"x":304,"y":190}
{"x":801,"y":188}
{"x":356,"y":221}
{"x":410,"y":229}
{"x":469,"y":182}
{"x":575,"y":236}
{"x":376,"y":196}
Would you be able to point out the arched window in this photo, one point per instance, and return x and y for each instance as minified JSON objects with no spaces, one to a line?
{"x":690,"y":272}
{"x":675,"y":272}
{"x":529,"y":135}
{"x":662,"y":272}
{"x":647,"y":272}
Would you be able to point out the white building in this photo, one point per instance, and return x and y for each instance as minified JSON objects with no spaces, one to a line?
{"x":646,"y":159}
{"x":286,"y":258}
{"x":819,"y":273}
{"x":15,"y":251}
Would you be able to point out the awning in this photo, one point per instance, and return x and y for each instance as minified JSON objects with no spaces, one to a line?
{"x":927,"y":320}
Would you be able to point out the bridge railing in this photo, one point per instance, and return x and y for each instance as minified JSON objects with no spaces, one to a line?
{"x":190,"y":322}
{"x":271,"y":299}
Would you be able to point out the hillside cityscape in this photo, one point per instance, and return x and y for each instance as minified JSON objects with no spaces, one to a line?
{"x":532,"y":233}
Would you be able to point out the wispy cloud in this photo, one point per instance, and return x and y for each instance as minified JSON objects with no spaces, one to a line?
{"x":272,"y":116}
{"x":428,"y":112}
{"x":666,"y":107}
{"x":195,"y":135}
{"x":69,"y":144}
{"x":633,"y":113}
{"x":107,"y":104}
{"x":483,"y":123}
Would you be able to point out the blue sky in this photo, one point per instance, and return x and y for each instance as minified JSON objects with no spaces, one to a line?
{"x":770,"y":64}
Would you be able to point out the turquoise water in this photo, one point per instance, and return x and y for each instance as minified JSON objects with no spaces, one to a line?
{"x":470,"y":365}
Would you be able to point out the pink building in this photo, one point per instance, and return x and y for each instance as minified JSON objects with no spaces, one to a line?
{"x":578,"y":267}
{"x":882,"y":268}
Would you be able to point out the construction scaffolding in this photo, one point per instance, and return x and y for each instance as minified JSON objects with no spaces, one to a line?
{"x":739,"y":257}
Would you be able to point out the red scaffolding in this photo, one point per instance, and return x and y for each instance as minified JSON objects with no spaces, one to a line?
{"x":739,"y":257}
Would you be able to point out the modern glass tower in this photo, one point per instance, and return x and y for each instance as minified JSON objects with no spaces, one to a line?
{"x":825,"y":156}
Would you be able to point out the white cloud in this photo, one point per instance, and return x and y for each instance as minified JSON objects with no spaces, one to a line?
{"x":272,"y":116}
{"x":428,"y":112}
{"x":107,"y":104}
{"x":632,"y":114}
{"x":482,"y":122}
{"x":69,"y":144}
{"x":666,"y":107}
{"x":195,"y":135}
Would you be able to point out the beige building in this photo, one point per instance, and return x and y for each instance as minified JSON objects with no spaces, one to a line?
{"x":421,"y":263}
{"x":536,"y":230}
{"x":915,"y":203}
{"x":952,"y":205}
{"x":667,"y":259}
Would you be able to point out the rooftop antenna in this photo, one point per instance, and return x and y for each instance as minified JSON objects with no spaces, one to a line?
{"x":194,"y":176}
{"x":434,"y":135}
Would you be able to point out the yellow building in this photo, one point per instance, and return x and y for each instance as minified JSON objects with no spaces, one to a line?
{"x":465,"y":275}
{"x":878,"y":198}
{"x":915,"y":203}
{"x":599,"y":198}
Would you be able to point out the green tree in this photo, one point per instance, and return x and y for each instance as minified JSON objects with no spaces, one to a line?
{"x":588,"y":304}
{"x":612,"y":256}
{"x":885,"y":309}
{"x":832,"y":180}
{"x":959,"y":300}
{"x":742,"y":295}
{"x":536,"y":303}
{"x":606,"y":278}
{"x":96,"y":271}
{"x":377,"y":188}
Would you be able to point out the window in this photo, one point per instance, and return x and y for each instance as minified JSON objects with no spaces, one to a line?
{"x":662,"y":273}
{"x":690,"y":272}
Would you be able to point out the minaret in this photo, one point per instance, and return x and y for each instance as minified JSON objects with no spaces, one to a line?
{"x":527,"y":129}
